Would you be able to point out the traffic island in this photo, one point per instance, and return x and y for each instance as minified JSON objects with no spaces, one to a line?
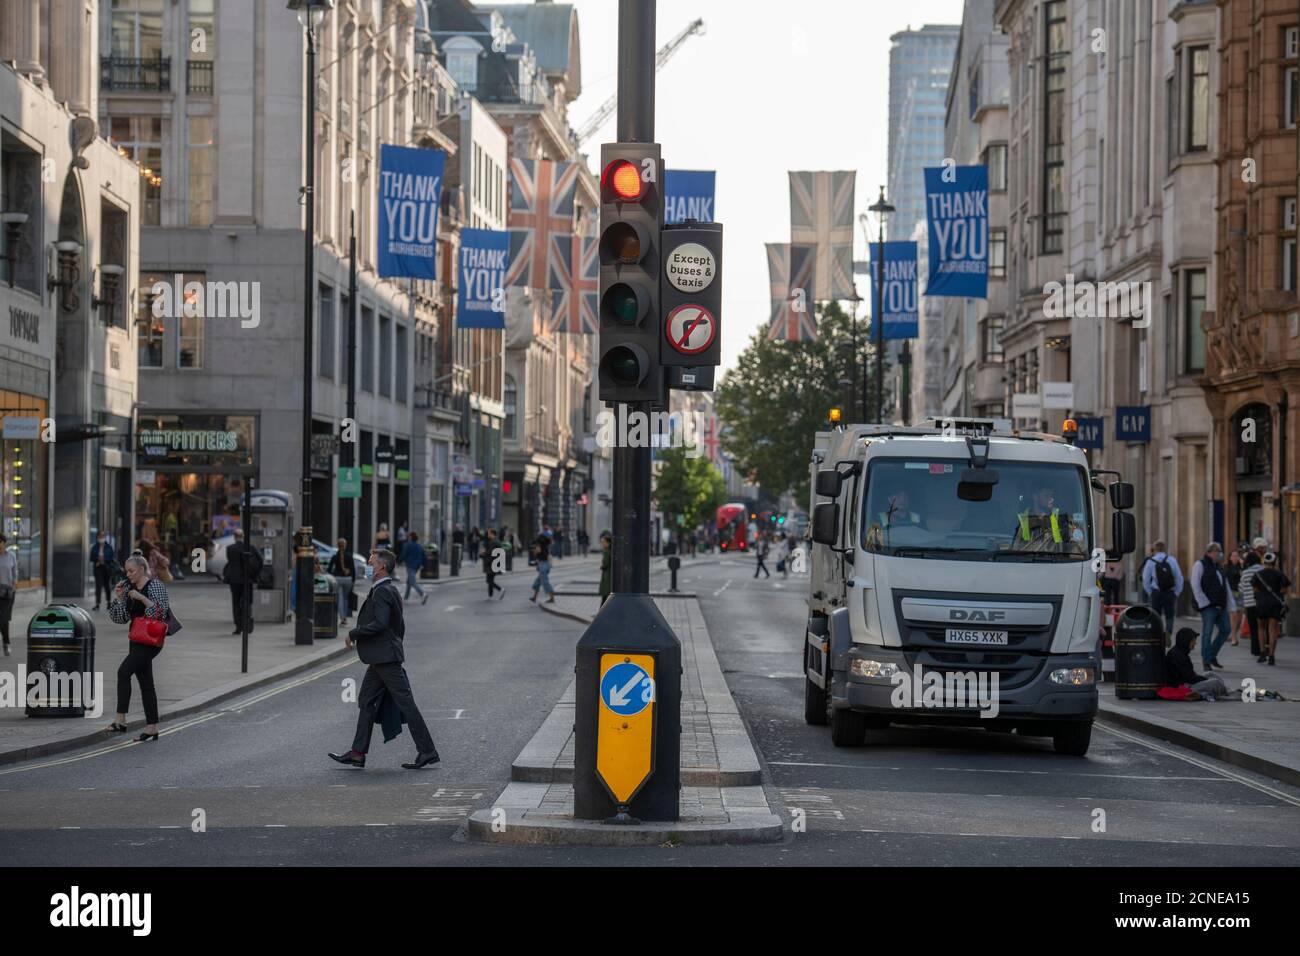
{"x":722,"y":800}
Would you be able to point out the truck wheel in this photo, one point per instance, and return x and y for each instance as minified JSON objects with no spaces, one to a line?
{"x":848,"y":728}
{"x":815,"y":699}
{"x":1073,"y":738}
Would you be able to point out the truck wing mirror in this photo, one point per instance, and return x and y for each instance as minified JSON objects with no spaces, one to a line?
{"x":1123,"y":533}
{"x":976,"y":484}
{"x":1121,"y":496}
{"x":829,"y":483}
{"x":826,"y":522}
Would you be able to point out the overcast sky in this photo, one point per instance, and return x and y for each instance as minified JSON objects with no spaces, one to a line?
{"x":768,"y":88}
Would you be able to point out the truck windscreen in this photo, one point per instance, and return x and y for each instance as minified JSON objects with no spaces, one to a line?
{"x":1037,"y":512}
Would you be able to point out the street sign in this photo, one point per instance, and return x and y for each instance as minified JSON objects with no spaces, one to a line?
{"x":691,"y":329}
{"x":690,"y":267}
{"x":1026,"y":405}
{"x":625,"y":723}
{"x":1092,"y":433}
{"x":349,"y":482}
{"x":1058,"y":395}
{"x":1133,"y":423}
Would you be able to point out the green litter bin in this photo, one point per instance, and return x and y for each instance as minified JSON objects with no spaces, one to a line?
{"x":61,"y":647}
{"x":430,"y":567}
{"x":325,"y":607}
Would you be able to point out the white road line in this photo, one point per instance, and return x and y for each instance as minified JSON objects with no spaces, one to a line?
{"x":275,"y":826}
{"x":1204,"y":765}
{"x":169,"y":828}
{"x":69,"y":828}
{"x":108,"y":750}
{"x":723,"y":588}
{"x":376,"y":824}
{"x":244,"y":704}
{"x":1050,"y":773}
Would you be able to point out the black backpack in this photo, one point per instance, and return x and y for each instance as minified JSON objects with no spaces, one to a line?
{"x":1165,"y":580}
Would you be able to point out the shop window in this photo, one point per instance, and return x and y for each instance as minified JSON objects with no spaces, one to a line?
{"x":23,"y":458}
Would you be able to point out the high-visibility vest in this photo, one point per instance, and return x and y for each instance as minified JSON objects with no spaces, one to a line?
{"x":1056,"y":525}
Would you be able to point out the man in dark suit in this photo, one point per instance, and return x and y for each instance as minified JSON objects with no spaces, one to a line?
{"x":243,"y":565}
{"x":378,"y":637}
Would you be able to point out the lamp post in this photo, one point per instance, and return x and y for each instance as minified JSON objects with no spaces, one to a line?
{"x":882,"y":209}
{"x":310,"y":14}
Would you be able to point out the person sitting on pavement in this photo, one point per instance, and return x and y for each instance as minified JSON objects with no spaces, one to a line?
{"x":1179,"y":672}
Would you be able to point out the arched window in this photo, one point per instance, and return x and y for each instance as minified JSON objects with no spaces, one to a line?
{"x":511,"y":399}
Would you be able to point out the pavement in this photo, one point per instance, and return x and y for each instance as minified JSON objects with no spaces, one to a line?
{"x":199,"y":666}
{"x":1263,"y":736}
{"x":722,"y":799}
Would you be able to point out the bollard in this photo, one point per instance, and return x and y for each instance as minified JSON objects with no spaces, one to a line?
{"x":674,"y":563}
{"x":455,"y":559}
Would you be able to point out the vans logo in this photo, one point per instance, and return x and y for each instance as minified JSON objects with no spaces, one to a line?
{"x":962,"y":614}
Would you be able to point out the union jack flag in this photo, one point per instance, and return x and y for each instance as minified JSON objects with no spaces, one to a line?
{"x":821,"y":215}
{"x":541,"y":211}
{"x":790,"y":270}
{"x":711,"y":438}
{"x":575,"y":279}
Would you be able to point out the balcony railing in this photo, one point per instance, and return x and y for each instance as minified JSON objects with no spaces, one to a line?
{"x":198,"y":77}
{"x":130,"y":74}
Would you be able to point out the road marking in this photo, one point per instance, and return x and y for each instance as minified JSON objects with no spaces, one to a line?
{"x":1051,"y":773}
{"x":1204,"y":765}
{"x":275,"y":826}
{"x":176,"y":827}
{"x":69,"y":828}
{"x":723,"y":588}
{"x":376,"y":824}
{"x":452,"y":607}
{"x":245,"y":704}
{"x":109,"y":750}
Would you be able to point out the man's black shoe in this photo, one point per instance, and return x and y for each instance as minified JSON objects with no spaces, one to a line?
{"x":423,"y":760}
{"x":351,"y":758}
{"x":1215,"y":662}
{"x":236,"y":631}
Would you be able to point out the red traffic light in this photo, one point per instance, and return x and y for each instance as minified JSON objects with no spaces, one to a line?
{"x":624,"y":180}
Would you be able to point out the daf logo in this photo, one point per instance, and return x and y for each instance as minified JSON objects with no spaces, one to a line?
{"x":961,"y":614}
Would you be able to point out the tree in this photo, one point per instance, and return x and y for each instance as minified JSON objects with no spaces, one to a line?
{"x":688,"y":490}
{"x":778,"y":396}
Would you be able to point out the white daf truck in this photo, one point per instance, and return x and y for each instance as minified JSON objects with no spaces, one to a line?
{"x":953,"y":579}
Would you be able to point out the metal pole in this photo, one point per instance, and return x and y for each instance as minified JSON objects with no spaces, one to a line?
{"x":636,"y":124}
{"x":349,"y":449}
{"x":246,"y":587}
{"x":878,"y":320}
{"x":304,"y":567}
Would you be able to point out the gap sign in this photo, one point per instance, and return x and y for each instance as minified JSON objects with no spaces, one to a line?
{"x":1133,"y":423}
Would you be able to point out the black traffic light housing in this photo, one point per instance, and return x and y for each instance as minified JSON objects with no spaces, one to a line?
{"x":631,"y":220}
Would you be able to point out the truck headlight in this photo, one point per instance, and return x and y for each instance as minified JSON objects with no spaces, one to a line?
{"x":867,"y":668}
{"x":1074,"y":676}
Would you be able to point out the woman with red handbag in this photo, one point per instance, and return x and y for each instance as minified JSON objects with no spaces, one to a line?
{"x":142,"y":602}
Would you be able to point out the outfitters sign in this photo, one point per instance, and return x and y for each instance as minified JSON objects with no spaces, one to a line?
{"x":195,"y":441}
{"x":958,"y":216}
{"x":410,"y":184}
{"x":480,"y":294}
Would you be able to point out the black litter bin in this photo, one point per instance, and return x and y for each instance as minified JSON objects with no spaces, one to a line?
{"x":1139,"y":653}
{"x":325,"y":620}
{"x":430,"y":567}
{"x":510,"y":558}
{"x":61,"y":646}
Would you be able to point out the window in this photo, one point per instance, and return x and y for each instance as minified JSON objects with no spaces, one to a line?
{"x":367,"y":349}
{"x":1198,"y":98}
{"x":199,"y":48}
{"x":997,"y":253}
{"x":1292,"y":43}
{"x":462,"y":61}
{"x":1171,"y":121}
{"x":385,"y":356}
{"x":199,"y":164}
{"x":1056,"y":43}
{"x":137,"y":27}
{"x":148,"y":327}
{"x":512,"y":406}
{"x":189,"y":324}
{"x":995,"y":158}
{"x":140,"y":139}
{"x":990,"y":340}
{"x":400,"y":387}
{"x":1291,"y":96}
{"x":345,"y":316}
{"x":325,"y":332}
{"x":1193,"y":334}
{"x":1288,"y":214}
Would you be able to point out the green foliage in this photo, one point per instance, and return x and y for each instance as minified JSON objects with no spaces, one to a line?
{"x":778,"y":396}
{"x":687,"y":490}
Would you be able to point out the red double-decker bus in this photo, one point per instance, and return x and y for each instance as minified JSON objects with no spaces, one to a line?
{"x":732,"y":528}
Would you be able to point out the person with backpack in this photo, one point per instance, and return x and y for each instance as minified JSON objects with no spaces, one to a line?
{"x":1270,"y":606}
{"x":1162,"y":578}
{"x":1214,"y":602}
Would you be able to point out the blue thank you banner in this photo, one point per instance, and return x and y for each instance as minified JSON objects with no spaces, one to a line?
{"x":410,"y":183}
{"x":901,"y":320}
{"x":958,"y":217}
{"x":688,"y":194}
{"x":481,"y":293}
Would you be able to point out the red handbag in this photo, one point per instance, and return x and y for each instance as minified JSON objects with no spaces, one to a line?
{"x":148,"y":630}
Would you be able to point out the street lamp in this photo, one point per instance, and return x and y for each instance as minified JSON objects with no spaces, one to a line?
{"x":882,"y":210}
{"x":311,"y":13}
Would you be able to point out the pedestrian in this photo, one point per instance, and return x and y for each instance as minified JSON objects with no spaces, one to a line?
{"x":583,"y":540}
{"x":1270,"y":606}
{"x":344,"y":569}
{"x":243,"y":565}
{"x":140,"y":601}
{"x":1113,"y":582}
{"x":474,"y":542}
{"x":413,"y":558}
{"x":541,"y":551}
{"x":1214,"y":602}
{"x":8,"y":589}
{"x":1254,"y":562}
{"x":606,"y":566}
{"x":402,"y":535}
{"x":559,"y":542}
{"x":379,"y":639}
{"x":1180,"y":673}
{"x":490,"y":549}
{"x":383,"y":540}
{"x":101,"y":564}
{"x":1232,"y":569}
{"x":761,"y":549}
{"x":1163,"y":580}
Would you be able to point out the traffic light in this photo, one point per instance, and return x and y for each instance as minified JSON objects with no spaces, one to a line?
{"x":631,"y":220}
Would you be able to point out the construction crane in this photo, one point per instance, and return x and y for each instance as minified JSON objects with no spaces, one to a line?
{"x":597,"y":120}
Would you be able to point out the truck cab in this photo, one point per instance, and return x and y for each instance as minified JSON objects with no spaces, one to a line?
{"x":953,"y":579}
